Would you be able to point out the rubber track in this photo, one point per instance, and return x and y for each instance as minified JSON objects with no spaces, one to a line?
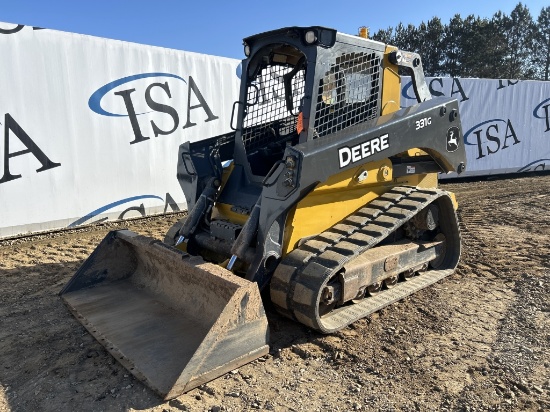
{"x":301,"y":276}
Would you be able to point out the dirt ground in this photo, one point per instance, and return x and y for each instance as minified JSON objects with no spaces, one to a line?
{"x":478,"y":340}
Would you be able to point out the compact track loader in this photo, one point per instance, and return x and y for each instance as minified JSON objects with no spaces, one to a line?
{"x":324,"y":196}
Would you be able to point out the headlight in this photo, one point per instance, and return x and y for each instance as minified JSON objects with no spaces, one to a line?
{"x":310,"y":37}
{"x":246,"y":50}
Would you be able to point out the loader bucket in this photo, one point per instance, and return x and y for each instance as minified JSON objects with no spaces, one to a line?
{"x":171,"y":319}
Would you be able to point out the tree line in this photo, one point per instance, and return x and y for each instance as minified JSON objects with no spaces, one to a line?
{"x":506,"y":47}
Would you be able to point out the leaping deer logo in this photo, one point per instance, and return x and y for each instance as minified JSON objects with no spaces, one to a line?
{"x":452,"y":139}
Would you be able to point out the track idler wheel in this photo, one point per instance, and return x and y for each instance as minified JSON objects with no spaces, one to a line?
{"x":391,"y":282}
{"x":375,"y":288}
{"x":441,"y":251}
{"x":408,"y":274}
{"x":360,"y":295}
{"x":328,"y":298}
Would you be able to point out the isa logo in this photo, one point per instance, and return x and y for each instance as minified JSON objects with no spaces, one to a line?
{"x":167,"y":100}
{"x":13,"y":30}
{"x":11,"y":149}
{"x":540,"y":165}
{"x":439,"y":88}
{"x":542,"y":111}
{"x":131,"y":209}
{"x":491,"y":136}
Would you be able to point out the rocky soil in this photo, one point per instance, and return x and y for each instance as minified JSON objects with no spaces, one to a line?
{"x":476,"y":341}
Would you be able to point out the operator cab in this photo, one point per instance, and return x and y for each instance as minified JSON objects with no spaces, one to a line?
{"x":272,"y":113}
{"x":300,"y":84}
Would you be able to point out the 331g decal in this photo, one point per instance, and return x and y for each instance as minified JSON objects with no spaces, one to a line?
{"x":422,"y":123}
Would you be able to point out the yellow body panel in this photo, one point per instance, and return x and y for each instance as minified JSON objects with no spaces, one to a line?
{"x":333,"y":200}
{"x":391,"y":87}
{"x":427,"y":180}
{"x":223,"y":211}
{"x":414,"y":152}
{"x":343,"y":193}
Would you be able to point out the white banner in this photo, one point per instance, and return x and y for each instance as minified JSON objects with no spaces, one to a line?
{"x":506,"y":123}
{"x":91,"y":126}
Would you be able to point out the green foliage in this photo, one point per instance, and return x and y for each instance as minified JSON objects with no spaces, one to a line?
{"x":541,"y":45}
{"x":506,"y":47}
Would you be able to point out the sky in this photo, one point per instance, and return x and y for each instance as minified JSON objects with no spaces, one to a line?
{"x":217,"y":27}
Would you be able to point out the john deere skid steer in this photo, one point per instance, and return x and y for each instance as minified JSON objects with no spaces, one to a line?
{"x":324,"y":195}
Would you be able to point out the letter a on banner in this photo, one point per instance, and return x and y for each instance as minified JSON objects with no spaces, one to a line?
{"x":11,"y":124}
{"x":202,"y":103}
